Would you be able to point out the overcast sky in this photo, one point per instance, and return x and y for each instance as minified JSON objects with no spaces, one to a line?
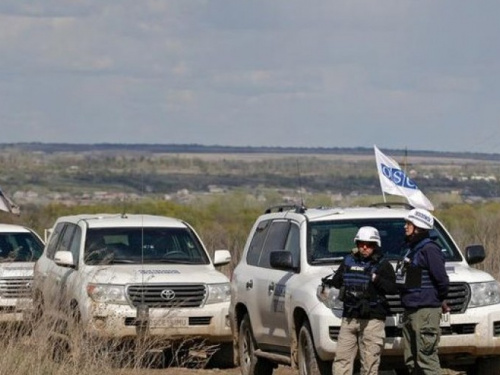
{"x":418,"y":74}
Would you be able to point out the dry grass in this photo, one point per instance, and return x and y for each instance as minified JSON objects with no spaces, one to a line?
{"x":50,"y":348}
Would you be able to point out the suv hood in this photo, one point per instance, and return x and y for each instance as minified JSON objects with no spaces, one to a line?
{"x":132,"y":274}
{"x":458,"y":272}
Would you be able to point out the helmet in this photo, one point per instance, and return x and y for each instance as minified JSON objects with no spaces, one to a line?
{"x":368,"y":234}
{"x":421,"y":218}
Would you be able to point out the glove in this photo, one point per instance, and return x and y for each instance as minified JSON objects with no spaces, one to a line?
{"x":327,"y":282}
{"x":445,"y":308}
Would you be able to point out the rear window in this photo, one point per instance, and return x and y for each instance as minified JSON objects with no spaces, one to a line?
{"x":331,"y":241}
{"x":20,"y":247}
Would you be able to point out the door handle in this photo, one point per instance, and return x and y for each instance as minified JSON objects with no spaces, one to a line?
{"x":249,"y":284}
{"x":270,"y":288}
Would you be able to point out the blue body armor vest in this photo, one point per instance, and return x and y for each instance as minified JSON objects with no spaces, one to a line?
{"x":357,"y":278}
{"x":414,"y":277}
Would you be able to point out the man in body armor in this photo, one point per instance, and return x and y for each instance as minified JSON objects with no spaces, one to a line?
{"x":423,"y":284}
{"x":364,"y":278}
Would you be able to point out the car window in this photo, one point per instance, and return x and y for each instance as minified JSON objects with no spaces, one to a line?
{"x":143,"y":245}
{"x":20,"y":247}
{"x":66,"y":237}
{"x":275,"y":240}
{"x":330,"y":241}
{"x":293,"y":244}
{"x":54,"y":240}
{"x":255,"y":247}
{"x":75,"y":244}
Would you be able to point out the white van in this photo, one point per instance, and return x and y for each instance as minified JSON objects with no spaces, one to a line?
{"x":20,"y":247}
{"x":122,"y":276}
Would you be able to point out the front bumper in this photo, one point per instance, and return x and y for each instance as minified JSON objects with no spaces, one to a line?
{"x":475,"y":333}
{"x":210,"y":322}
{"x":14,"y":309}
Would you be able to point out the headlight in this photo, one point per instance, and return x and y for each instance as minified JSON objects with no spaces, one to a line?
{"x":483,"y":294}
{"x":106,"y":293}
{"x":329,"y":297}
{"x":218,"y":293}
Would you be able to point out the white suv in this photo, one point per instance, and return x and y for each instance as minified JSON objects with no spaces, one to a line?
{"x":281,"y":312}
{"x":125,"y":276}
{"x":20,"y":247}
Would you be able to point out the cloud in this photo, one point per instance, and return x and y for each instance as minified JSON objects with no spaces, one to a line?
{"x":278,"y":73}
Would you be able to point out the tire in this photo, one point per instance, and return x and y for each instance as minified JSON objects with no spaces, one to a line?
{"x":485,"y":366}
{"x":308,"y":361}
{"x":223,"y":357}
{"x":250,"y":364}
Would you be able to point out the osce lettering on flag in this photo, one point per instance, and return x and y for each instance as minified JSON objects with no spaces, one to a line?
{"x":398,"y":177}
{"x":394,"y":181}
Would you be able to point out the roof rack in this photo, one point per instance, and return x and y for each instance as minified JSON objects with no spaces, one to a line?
{"x":392,"y":205}
{"x":286,"y":207}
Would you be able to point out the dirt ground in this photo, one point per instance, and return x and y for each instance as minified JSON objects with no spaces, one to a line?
{"x":281,"y":370}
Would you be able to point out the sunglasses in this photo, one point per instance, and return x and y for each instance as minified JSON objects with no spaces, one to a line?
{"x":365,"y":244}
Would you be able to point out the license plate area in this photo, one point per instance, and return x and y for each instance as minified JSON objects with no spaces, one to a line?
{"x":180,"y":322}
{"x":24,"y":304}
{"x":444,"y":322}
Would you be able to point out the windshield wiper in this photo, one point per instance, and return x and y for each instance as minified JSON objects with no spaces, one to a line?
{"x":124,"y":261}
{"x":327,"y":260}
{"x":172,"y":261}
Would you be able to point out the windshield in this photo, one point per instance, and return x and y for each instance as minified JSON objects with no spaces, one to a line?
{"x":331,"y":241}
{"x":143,"y":245}
{"x":20,"y":247}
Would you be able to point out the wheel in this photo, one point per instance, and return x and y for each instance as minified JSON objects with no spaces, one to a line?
{"x":64,"y":333}
{"x":33,"y":317}
{"x":485,"y":366}
{"x":250,"y":364}
{"x":222,"y":357}
{"x":59,"y":348}
{"x":308,"y":361}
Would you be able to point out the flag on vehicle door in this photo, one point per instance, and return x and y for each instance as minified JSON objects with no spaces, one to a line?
{"x":393,"y":180}
{"x":7,"y":205}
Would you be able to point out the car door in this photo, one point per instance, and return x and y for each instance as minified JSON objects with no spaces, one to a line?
{"x":43,"y":267}
{"x":59,"y":275}
{"x":271,"y":284}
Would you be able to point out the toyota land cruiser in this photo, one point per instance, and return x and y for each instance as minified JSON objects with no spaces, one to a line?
{"x":282,"y":314}
{"x":20,"y":247}
{"x":127,"y":276}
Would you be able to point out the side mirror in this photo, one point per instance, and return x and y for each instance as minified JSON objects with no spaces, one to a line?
{"x":64,"y":258}
{"x":475,"y":254}
{"x":221,"y":257}
{"x":282,"y":260}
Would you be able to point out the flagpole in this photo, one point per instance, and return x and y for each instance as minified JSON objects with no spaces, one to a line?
{"x":376,"y":161}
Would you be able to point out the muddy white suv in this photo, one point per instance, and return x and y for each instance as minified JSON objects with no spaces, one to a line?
{"x":20,"y":247}
{"x":282,"y":314}
{"x":129,"y":276}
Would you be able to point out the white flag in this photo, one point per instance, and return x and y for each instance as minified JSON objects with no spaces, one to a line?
{"x":393,"y":180}
{"x":7,"y":205}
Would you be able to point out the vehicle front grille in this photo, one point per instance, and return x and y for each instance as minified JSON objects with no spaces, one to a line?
{"x":16,"y":287}
{"x":193,"y":321}
{"x":167,"y":295}
{"x":454,"y":329}
{"x":457,"y":299}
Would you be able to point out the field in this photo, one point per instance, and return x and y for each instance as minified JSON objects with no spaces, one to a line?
{"x":221,"y":194}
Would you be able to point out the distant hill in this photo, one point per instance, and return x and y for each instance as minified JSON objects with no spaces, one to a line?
{"x":197,"y":148}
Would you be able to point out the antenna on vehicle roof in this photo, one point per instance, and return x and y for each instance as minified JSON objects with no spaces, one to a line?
{"x":300,"y":184}
{"x":142,"y":319}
